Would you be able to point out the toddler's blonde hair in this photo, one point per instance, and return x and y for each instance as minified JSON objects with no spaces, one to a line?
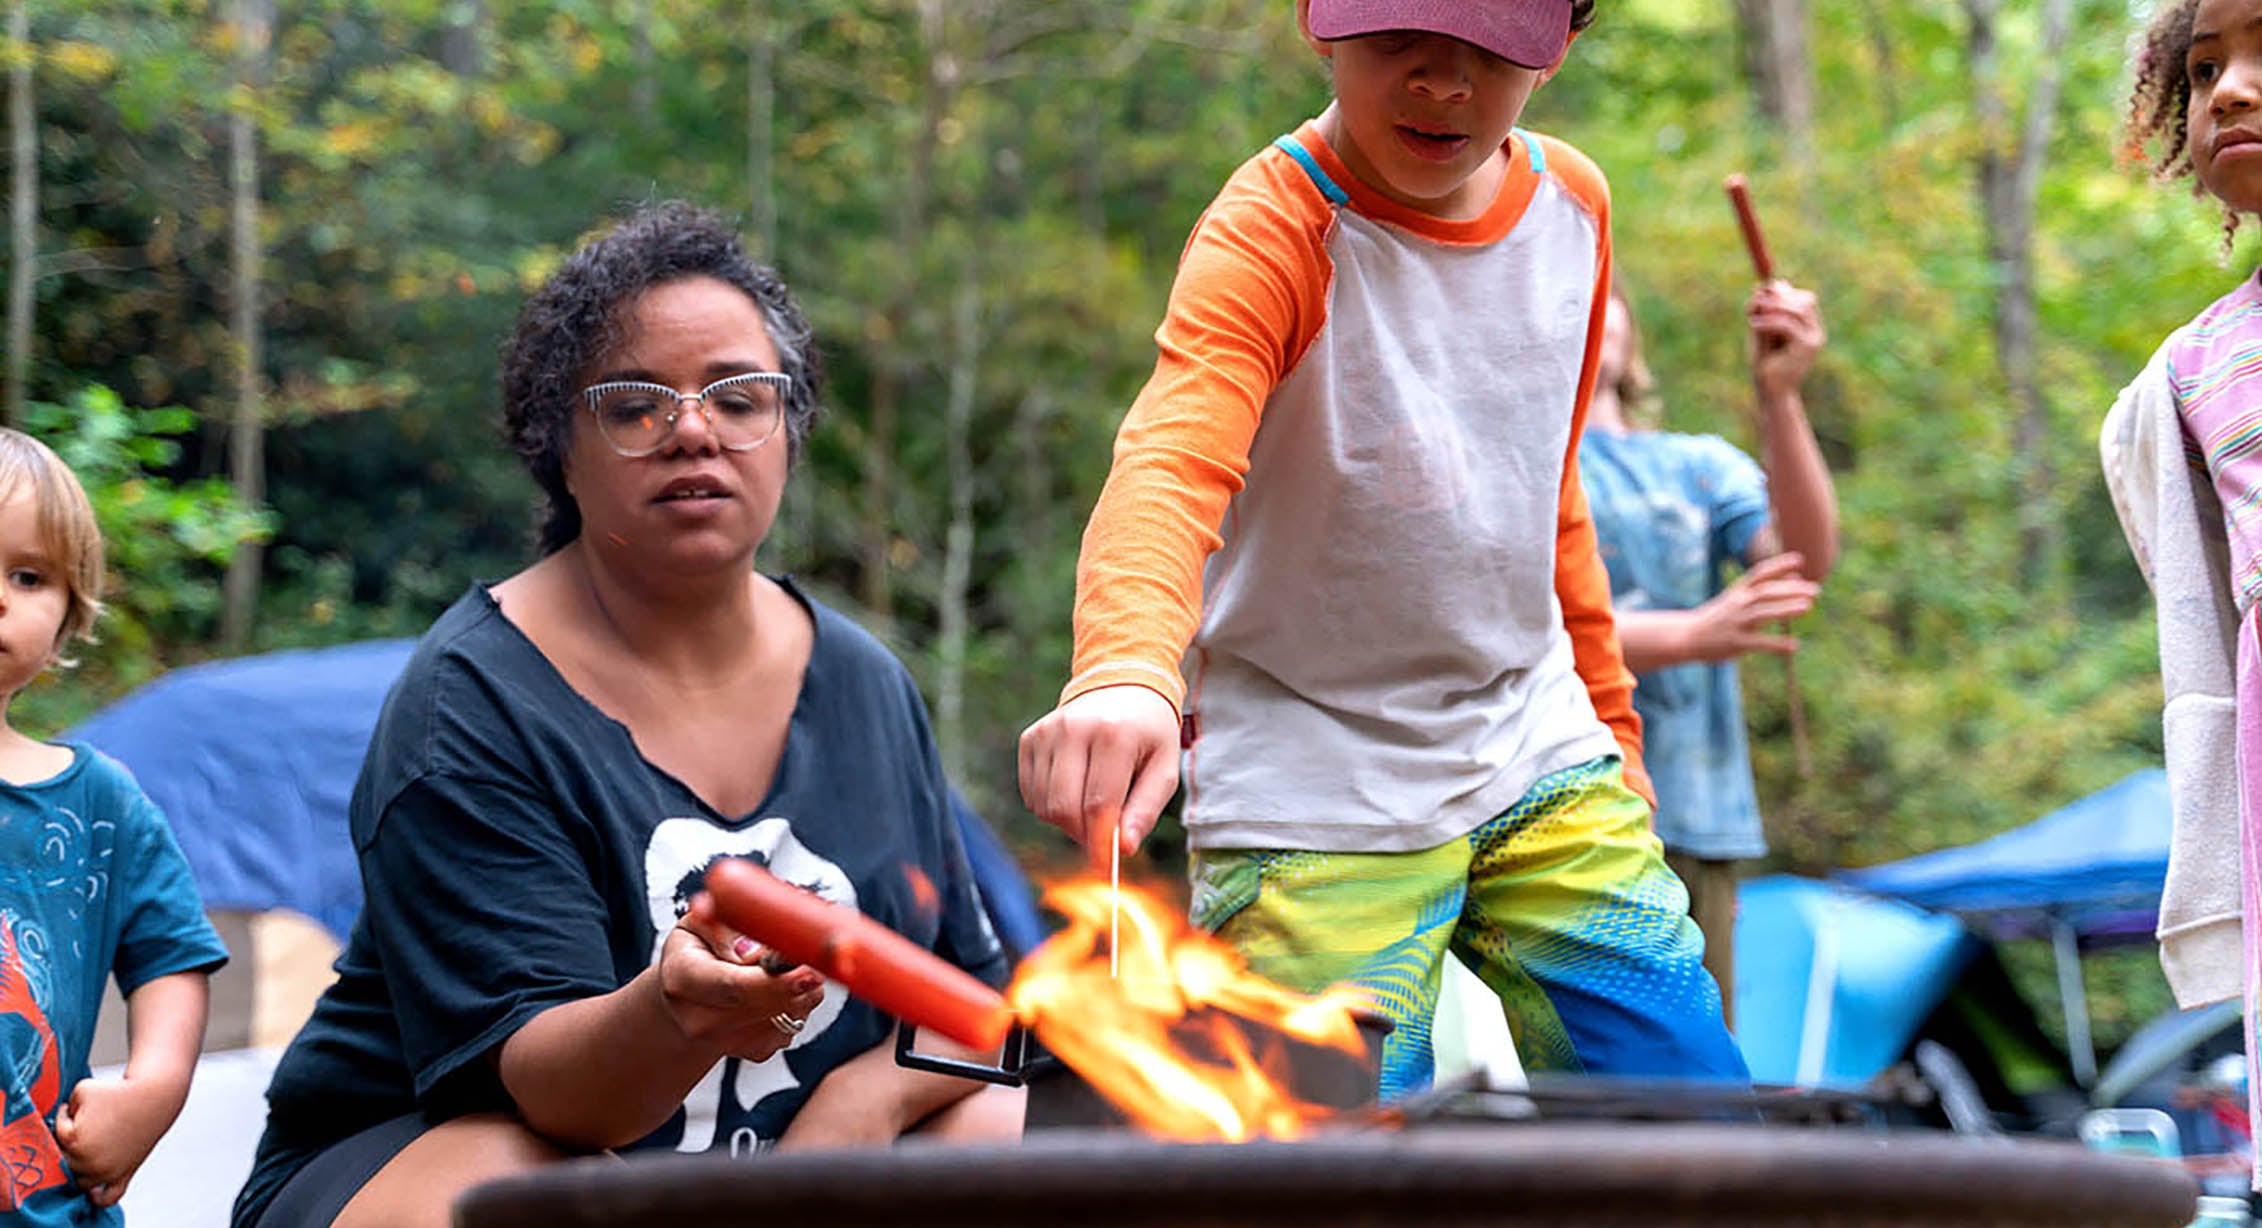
{"x":66,"y":517}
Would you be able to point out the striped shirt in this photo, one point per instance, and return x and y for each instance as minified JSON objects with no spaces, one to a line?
{"x":2216,"y":372}
{"x":1343,"y":529}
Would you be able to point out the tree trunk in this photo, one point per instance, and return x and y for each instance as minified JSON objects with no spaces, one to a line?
{"x":1778,"y":67}
{"x":252,"y":20}
{"x":958,"y":551}
{"x":1887,"y":75}
{"x":761,"y":128}
{"x":875,"y":533}
{"x":23,"y":213}
{"x":643,"y":92}
{"x":790,"y":534}
{"x":1034,"y":519}
{"x":892,"y":364}
{"x":2010,"y":172}
{"x":463,"y":42}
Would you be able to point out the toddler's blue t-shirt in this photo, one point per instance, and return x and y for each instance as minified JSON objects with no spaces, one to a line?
{"x":91,"y":884}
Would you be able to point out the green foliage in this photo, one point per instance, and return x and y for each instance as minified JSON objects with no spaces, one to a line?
{"x":165,"y":543}
{"x":427,"y":161}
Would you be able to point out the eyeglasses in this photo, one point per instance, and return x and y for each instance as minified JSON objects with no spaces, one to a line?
{"x":638,"y":419}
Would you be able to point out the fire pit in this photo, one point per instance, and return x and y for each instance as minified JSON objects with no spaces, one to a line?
{"x":1317,"y":1075}
{"x":1185,"y":1023}
{"x":1564,"y":1175}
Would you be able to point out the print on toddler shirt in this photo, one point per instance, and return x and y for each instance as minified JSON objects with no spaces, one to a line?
{"x":675,"y":863}
{"x":29,"y":1159}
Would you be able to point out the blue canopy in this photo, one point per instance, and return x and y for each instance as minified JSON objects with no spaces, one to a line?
{"x":253,"y":760}
{"x":1832,"y":985}
{"x":2097,"y":864}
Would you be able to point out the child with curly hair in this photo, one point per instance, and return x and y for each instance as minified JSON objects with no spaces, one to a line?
{"x":2182,"y":451}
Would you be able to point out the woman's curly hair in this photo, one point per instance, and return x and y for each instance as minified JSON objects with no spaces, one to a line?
{"x":1582,"y":14}
{"x":575,"y":317}
{"x":2159,"y":105}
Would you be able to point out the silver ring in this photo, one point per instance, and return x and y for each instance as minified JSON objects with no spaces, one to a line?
{"x":788,"y":1024}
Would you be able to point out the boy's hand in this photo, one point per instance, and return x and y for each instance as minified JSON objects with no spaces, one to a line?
{"x":1786,"y":335}
{"x":106,"y":1130}
{"x":1735,"y":622}
{"x":1105,"y":761}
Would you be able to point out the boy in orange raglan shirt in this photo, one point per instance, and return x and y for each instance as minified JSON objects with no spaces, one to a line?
{"x":1406,"y":723}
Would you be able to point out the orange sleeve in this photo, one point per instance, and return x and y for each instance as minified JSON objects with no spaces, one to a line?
{"x":1582,"y":585}
{"x":1250,"y":295}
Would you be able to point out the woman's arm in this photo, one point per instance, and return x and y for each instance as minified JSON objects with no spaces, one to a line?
{"x":608,"y":1070}
{"x":1787,"y":335}
{"x":1736,"y":621}
{"x":870,"y":1099}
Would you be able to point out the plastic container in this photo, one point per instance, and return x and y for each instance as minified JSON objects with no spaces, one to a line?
{"x":2216,"y":1211}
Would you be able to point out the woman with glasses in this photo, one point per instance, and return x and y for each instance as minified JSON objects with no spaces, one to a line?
{"x":567,"y":752}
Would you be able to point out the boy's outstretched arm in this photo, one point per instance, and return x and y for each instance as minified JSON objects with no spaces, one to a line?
{"x":108,"y":1126}
{"x":1250,"y":296}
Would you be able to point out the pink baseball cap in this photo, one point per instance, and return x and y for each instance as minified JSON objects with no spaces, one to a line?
{"x":1532,"y":33}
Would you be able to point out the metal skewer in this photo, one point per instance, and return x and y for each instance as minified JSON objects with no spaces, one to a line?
{"x":1114,"y":895}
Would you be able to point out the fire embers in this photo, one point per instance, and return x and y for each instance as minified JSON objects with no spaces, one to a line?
{"x":1185,"y":1040}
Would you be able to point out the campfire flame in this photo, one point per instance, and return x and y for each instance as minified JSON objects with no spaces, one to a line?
{"x":1160,"y":1039}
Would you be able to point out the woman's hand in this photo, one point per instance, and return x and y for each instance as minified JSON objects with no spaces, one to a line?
{"x":1735,"y":622}
{"x":108,"y":1127}
{"x":1104,"y":762}
{"x":1786,"y":336}
{"x":713,"y":986}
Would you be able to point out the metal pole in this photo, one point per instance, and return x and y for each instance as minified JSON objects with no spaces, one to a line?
{"x":1821,"y":997}
{"x":2076,"y":998}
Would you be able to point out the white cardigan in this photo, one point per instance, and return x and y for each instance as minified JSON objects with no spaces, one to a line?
{"x":2174,"y":523}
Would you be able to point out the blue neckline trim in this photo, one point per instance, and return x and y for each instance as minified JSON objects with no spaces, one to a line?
{"x":1337,"y":196}
{"x":1531,"y":146}
{"x":1327,"y":187}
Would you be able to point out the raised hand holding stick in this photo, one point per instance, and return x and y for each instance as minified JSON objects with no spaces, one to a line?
{"x":1763,"y":266}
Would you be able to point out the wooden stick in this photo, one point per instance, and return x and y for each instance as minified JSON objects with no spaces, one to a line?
{"x":1754,"y":241}
{"x":1762,"y":264}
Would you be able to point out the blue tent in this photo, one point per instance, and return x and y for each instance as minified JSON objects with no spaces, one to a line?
{"x":253,"y":760}
{"x":2096,"y":864}
{"x":1832,"y":985}
{"x":2087,"y":873}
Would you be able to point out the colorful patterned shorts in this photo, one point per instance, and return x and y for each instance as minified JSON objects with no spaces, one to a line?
{"x":1562,"y":904}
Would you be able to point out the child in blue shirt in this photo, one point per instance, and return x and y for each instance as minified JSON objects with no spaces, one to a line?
{"x":1675,"y":514}
{"x":91,"y":884}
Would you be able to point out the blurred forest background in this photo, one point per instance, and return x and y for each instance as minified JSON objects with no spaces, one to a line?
{"x":261,"y":253}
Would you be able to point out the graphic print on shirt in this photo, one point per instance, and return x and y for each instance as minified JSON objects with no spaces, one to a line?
{"x":29,"y":1159}
{"x":675,"y":863}
{"x":72,"y":869}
